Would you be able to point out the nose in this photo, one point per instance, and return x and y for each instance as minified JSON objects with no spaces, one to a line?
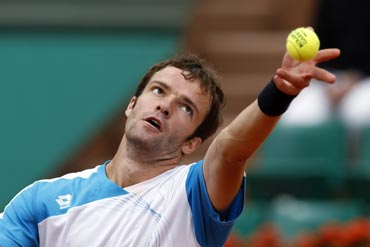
{"x":164,"y":108}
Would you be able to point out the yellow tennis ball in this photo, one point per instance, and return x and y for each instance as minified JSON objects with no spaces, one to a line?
{"x":302,"y":44}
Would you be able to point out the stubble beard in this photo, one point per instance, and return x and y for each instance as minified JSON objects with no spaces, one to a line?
{"x":157,"y":147}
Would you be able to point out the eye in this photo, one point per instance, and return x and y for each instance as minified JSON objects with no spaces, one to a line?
{"x":157,"y":90}
{"x":187,"y":109}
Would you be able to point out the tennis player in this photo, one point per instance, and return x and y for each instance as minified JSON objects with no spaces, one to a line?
{"x":144,"y":195}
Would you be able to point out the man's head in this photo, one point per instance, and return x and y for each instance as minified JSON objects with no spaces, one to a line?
{"x":195,"y":68}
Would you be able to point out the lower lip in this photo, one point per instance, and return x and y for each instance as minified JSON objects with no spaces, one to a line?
{"x":152,"y":127}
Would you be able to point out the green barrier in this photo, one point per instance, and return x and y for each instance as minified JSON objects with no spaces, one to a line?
{"x":59,"y":87}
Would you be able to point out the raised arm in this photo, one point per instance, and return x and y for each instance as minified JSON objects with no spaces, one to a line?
{"x":225,"y":160}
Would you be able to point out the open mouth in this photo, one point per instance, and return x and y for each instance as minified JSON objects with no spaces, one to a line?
{"x":154,"y":122}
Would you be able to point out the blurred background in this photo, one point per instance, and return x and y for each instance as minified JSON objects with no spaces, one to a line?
{"x":69,"y":68}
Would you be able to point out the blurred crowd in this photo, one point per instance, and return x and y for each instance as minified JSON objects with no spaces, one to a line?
{"x":343,"y":24}
{"x":355,"y":233}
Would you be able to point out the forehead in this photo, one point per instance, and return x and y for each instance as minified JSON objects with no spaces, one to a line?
{"x":174,"y":78}
{"x":174,"y":73}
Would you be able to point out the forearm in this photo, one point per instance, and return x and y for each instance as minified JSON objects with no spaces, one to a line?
{"x":242,"y":137}
{"x":251,"y":127}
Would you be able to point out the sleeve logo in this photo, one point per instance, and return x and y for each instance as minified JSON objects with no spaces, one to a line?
{"x":64,"y":201}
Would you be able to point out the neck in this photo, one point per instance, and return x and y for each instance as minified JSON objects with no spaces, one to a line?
{"x":130,"y":166}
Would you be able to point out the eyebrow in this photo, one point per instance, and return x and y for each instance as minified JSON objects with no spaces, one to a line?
{"x":186,"y":99}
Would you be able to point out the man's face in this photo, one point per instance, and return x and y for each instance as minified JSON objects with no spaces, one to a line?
{"x":167,"y":112}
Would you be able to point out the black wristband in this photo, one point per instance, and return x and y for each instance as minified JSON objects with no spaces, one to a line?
{"x":272,"y":101}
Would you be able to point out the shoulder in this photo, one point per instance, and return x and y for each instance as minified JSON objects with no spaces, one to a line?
{"x":54,"y":196}
{"x":71,"y":178}
{"x":40,"y":186}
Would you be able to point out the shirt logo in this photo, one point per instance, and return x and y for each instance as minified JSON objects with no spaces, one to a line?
{"x":64,"y":201}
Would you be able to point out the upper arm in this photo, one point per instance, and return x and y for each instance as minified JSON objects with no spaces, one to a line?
{"x":210,"y":228}
{"x":225,"y":160}
{"x":17,"y":222}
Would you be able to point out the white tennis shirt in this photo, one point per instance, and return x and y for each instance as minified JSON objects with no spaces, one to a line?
{"x":87,"y":209}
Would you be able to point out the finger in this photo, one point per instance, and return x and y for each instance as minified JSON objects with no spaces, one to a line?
{"x":311,"y":28}
{"x":324,"y":75}
{"x":285,"y":86}
{"x":326,"y":55}
{"x":299,"y":81}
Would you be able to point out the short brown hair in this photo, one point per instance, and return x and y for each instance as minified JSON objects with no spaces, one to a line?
{"x":196,"y":68}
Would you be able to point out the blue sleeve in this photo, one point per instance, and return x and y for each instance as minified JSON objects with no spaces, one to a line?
{"x":18,"y":226}
{"x":210,"y":230}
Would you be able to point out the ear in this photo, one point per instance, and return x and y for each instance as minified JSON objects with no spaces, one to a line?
{"x":191,"y":145}
{"x":130,"y":106}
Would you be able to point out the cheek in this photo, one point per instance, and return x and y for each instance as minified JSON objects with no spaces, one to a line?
{"x":184,"y":126}
{"x":141,"y":105}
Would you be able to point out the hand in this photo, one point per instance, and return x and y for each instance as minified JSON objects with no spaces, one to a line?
{"x":295,"y":75}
